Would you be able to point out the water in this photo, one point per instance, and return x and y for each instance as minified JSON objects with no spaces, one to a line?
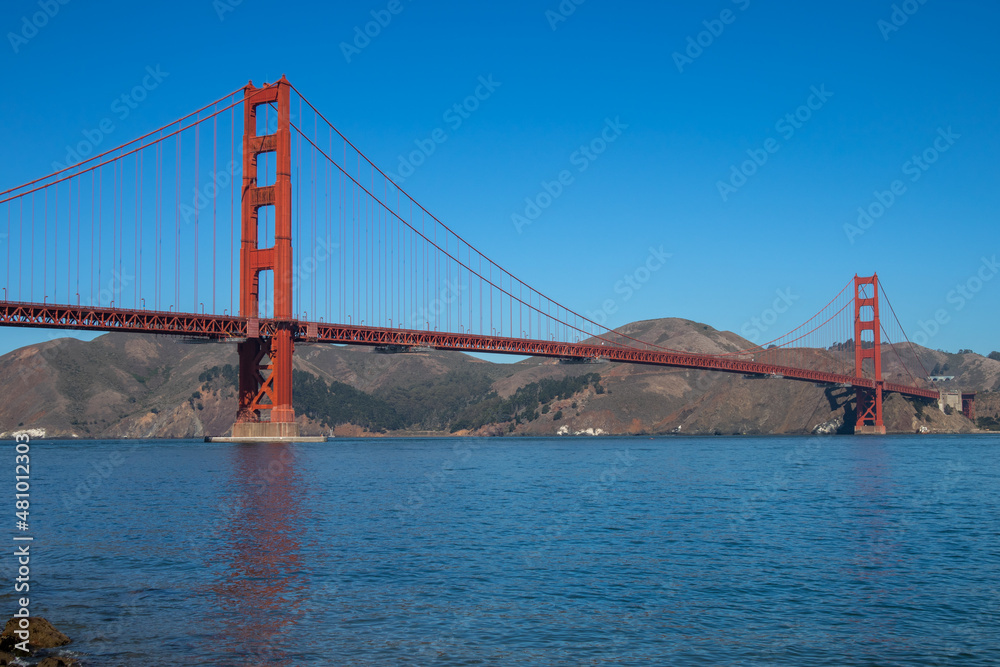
{"x":777,"y":551}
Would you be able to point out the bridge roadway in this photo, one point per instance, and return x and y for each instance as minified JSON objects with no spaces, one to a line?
{"x":231,"y":328}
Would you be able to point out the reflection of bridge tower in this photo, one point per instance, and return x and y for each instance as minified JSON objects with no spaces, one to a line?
{"x":256,"y":546}
{"x":265,"y":382}
{"x":866,"y":318}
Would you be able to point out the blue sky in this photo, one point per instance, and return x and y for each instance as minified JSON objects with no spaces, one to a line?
{"x":683,"y":96}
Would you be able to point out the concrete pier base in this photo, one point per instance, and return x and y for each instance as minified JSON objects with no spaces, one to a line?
{"x":869,"y":429}
{"x":266,"y":432}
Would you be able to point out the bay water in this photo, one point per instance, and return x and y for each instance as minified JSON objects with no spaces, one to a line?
{"x":594,"y":550}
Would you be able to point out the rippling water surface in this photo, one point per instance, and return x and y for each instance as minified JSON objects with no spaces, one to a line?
{"x":840,"y":551}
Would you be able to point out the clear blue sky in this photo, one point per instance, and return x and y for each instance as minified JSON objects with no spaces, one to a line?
{"x":685,"y":113}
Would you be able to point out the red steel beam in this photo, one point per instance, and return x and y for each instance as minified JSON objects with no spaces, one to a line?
{"x":221,"y":327}
{"x":50,"y":316}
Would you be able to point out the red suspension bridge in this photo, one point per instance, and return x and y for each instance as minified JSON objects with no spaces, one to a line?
{"x":295,"y":236}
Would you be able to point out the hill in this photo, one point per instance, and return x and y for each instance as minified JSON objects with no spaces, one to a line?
{"x":127,"y":386}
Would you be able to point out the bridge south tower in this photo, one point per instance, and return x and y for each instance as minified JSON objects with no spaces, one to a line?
{"x":265,"y":361}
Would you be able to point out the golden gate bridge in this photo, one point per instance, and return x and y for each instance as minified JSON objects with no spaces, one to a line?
{"x":254,"y":220}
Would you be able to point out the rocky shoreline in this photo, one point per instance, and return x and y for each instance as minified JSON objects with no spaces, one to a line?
{"x":43,"y":642}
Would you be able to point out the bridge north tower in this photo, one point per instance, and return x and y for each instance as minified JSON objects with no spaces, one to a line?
{"x":868,"y":345}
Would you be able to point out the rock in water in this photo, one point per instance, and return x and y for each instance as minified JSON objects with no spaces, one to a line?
{"x":53,"y":661}
{"x":829,"y":428}
{"x":41,"y":635}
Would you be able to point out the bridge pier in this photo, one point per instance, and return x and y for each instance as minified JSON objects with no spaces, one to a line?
{"x":869,"y":411}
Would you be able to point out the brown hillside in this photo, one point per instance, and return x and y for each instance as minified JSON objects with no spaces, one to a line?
{"x":120,"y":385}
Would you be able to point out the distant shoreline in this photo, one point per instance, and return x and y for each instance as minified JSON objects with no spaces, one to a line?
{"x":531,"y":436}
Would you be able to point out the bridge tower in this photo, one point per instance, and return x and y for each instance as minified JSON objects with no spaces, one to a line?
{"x":866,"y":318}
{"x":265,"y":366}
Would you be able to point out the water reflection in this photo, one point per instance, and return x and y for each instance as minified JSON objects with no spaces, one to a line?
{"x":874,"y":508}
{"x":262,"y":589}
{"x":874,"y":569}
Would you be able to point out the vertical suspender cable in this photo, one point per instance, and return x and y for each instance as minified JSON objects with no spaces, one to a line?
{"x":79,"y":228}
{"x":215,"y":196}
{"x":232,"y":207}
{"x":177,"y":228}
{"x":137,"y":224}
{"x":114,"y":230}
{"x":45,"y":242}
{"x":69,"y":241}
{"x":197,"y":208}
